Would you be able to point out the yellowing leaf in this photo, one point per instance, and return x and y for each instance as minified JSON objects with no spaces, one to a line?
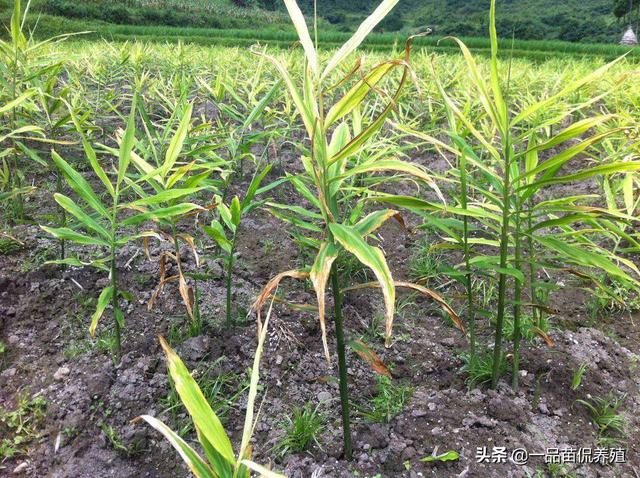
{"x":196,"y":404}
{"x":358,"y":37}
{"x":368,"y":355}
{"x":372,"y":257}
{"x":319,"y":275}
{"x":103,"y":300}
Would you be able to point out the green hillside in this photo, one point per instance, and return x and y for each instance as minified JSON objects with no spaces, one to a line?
{"x":569,"y":20}
{"x":585,"y":21}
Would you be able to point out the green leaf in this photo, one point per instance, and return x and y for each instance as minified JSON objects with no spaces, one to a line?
{"x":357,"y":93}
{"x":164,"y":196}
{"x":18,"y":38}
{"x":450,"y":455}
{"x":196,"y":465}
{"x":373,"y":221}
{"x":103,"y":300}
{"x":253,"y":187}
{"x":217,"y":462}
{"x":394,"y":165}
{"x":581,"y":81}
{"x":225,"y":215}
{"x":264,"y":102}
{"x":75,"y":262}
{"x":353,"y":146}
{"x":216,"y":232}
{"x":85,"y":219}
{"x":600,"y":170}
{"x":304,"y":190}
{"x":196,"y":404}
{"x":67,"y":234}
{"x":10,"y":105}
{"x":175,"y":146}
{"x":301,"y":106}
{"x":372,"y":257}
{"x":126,"y":146}
{"x":565,"y":155}
{"x":575,"y":130}
{"x":161,"y":213}
{"x":91,"y":155}
{"x":236,"y":211}
{"x":582,"y":256}
{"x":79,"y":185}
{"x":296,"y":221}
{"x":261,"y":470}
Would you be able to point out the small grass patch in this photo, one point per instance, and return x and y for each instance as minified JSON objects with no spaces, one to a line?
{"x":302,"y":429}
{"x":20,"y":426}
{"x":389,"y":401}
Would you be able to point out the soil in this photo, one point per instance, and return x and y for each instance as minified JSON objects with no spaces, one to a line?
{"x":44,"y":312}
{"x":87,"y":430}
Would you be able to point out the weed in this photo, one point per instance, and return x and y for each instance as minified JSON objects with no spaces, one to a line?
{"x":19,"y":427}
{"x":267,"y":246}
{"x":424,"y":265}
{"x":606,"y":416}
{"x":619,"y":297}
{"x":9,"y":246}
{"x":302,"y":429}
{"x":479,"y":368}
{"x":115,"y":441}
{"x":553,"y":470}
{"x":578,"y":375}
{"x":388,"y":402}
{"x":35,"y":261}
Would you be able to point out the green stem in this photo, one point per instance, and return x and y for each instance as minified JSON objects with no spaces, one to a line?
{"x":517,"y":295}
{"x":229,"y":280}
{"x":502,"y":278}
{"x":117,"y":314}
{"x":14,"y":174}
{"x":533,"y":270}
{"x":342,"y":361}
{"x":114,"y":301}
{"x":63,"y":216}
{"x":471,"y":320}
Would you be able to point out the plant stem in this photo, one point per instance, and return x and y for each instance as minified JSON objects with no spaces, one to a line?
{"x":229,"y":280}
{"x":117,"y":315}
{"x":471,"y":320}
{"x":342,"y":362}
{"x":502,"y":278}
{"x":114,"y":301}
{"x":533,"y":270}
{"x":15,"y":179}
{"x":63,"y":216}
{"x":517,"y":296}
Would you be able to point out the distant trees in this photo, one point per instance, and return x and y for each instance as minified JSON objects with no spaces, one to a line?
{"x":626,"y":10}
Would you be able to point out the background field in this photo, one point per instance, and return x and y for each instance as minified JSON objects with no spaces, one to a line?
{"x":541,"y":29}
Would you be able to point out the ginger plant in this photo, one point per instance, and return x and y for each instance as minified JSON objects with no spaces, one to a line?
{"x":225,"y":230}
{"x":219,"y":459}
{"x":103,"y":223}
{"x":338,"y":179}
{"x":168,"y":182}
{"x":504,"y":144}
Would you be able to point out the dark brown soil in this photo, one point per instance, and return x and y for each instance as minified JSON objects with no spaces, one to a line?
{"x":44,"y":313}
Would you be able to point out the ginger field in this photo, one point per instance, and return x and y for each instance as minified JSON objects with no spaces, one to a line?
{"x":305,"y":262}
